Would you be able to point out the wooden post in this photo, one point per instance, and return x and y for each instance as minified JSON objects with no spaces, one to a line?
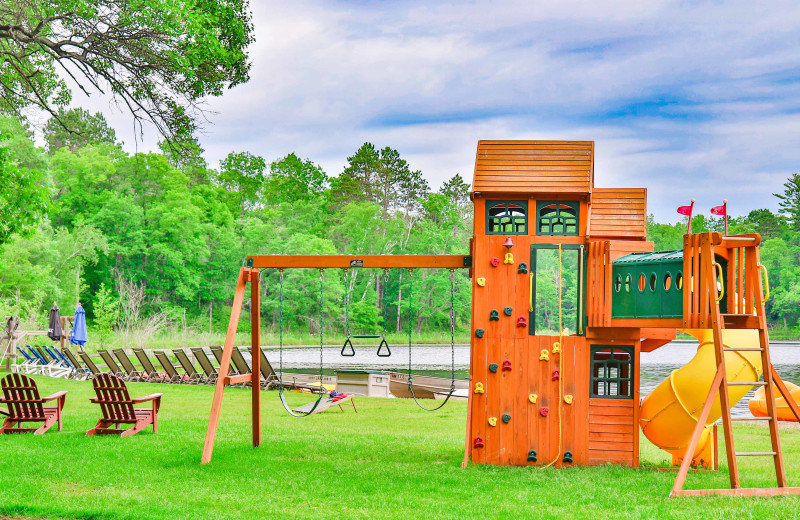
{"x":224,"y":365}
{"x":255,"y":349}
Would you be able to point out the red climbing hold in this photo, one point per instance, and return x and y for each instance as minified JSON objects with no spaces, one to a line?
{"x":507,"y":365}
{"x":522,"y":322}
{"x":556,"y":375}
{"x":495,"y":261}
{"x":478,"y":443}
{"x":543,"y":411}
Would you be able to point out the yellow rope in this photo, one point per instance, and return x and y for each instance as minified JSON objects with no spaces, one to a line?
{"x":560,"y":353}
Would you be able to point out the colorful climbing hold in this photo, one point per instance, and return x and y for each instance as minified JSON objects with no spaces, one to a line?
{"x":508,"y":311}
{"x":479,"y":388}
{"x":544,"y":355}
{"x":567,"y":457}
{"x":506,"y":418}
{"x":479,"y":332}
{"x":522,"y":321}
{"x":507,"y":365}
{"x":494,"y":315}
{"x":481,"y":282}
{"x":556,"y":375}
{"x":556,"y":347}
{"x":532,"y":398}
{"x":523,"y":268}
{"x":494,"y":261}
{"x":543,"y":411}
{"x":493,"y":368}
{"x":532,"y":456}
{"x":568,"y":398}
{"x":478,"y":442}
{"x":492,"y":421}
{"x":509,"y":258}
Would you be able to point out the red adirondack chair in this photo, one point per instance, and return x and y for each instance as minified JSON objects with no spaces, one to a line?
{"x":24,"y":405}
{"x":117,"y":407}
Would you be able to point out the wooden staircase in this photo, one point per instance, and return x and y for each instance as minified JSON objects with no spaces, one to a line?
{"x":703,"y":292}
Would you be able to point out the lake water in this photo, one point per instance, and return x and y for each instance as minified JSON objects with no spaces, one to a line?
{"x":435,"y":360}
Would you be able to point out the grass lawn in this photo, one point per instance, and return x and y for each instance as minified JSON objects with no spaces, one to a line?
{"x":389,"y":460}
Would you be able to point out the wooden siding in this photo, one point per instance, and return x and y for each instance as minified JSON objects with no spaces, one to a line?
{"x":612,"y":432}
{"x":619,"y":213}
{"x":528,"y":167}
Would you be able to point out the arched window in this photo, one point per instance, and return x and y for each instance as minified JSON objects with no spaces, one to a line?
{"x":557,"y":218}
{"x":508,"y":217}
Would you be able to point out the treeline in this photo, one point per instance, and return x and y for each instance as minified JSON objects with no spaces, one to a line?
{"x":150,"y":240}
{"x":154,"y":241}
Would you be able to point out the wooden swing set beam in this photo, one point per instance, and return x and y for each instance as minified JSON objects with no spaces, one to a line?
{"x":361,"y":261}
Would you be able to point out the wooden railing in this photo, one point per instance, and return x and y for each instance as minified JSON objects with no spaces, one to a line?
{"x":598,"y":284}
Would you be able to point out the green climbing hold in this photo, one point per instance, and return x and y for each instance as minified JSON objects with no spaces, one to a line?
{"x":506,"y":418}
{"x":523,"y":268}
{"x":479,"y":333}
{"x":532,"y":456}
{"x":507,"y":311}
{"x":567,"y":457}
{"x":493,"y":368}
{"x":494,"y":315}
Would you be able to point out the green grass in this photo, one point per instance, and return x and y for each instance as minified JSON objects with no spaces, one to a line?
{"x":389,"y":460}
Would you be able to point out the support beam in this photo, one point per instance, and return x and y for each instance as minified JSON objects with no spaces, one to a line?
{"x":365,"y":261}
{"x":255,"y":353}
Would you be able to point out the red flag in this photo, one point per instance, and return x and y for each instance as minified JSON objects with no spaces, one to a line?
{"x":687,"y":210}
{"x":722,"y":210}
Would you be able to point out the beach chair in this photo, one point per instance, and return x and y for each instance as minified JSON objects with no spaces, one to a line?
{"x":130,"y":370}
{"x":269,"y":379}
{"x":49,"y":366}
{"x":24,"y":405}
{"x":169,"y":368}
{"x":29,"y":365}
{"x":81,"y":372}
{"x":188,"y":367}
{"x":217,"y":351}
{"x":205,"y":364}
{"x":113,"y":368}
{"x":147,"y":365}
{"x":117,"y":408}
{"x":89,"y":363}
{"x":239,"y":362}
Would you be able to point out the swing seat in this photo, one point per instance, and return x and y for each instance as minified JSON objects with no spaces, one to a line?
{"x":366,"y":336}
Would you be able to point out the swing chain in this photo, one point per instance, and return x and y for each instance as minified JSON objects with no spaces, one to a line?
{"x":410,"y":321}
{"x":452,"y":330}
{"x":346,"y":273}
{"x":385,"y":286}
{"x":280,"y":328}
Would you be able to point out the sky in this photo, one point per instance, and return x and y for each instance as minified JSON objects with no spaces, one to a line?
{"x":689,"y":99}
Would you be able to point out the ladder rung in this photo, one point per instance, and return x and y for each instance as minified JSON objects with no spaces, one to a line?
{"x":751,"y":418}
{"x":746,"y":383}
{"x":755,"y":454}
{"x":743,"y":349}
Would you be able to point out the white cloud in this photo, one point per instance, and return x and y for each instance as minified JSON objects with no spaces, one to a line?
{"x":688,"y":99}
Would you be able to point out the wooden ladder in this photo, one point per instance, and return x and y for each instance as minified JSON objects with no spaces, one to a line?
{"x":749,"y":280}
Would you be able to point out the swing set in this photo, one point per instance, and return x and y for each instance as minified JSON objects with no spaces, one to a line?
{"x":251,"y":274}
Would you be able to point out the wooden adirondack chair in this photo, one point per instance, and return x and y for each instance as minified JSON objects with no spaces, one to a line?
{"x":117,"y":407}
{"x":24,"y":405}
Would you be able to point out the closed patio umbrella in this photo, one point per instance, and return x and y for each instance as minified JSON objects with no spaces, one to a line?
{"x":54,"y":330}
{"x":79,"y":336}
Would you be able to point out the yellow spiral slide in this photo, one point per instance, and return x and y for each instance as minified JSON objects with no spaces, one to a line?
{"x":669,"y":413}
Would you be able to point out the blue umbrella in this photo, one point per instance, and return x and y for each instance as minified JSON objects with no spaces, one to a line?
{"x":79,"y":336}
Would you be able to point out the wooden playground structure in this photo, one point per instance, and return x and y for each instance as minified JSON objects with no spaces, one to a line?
{"x":566,"y":295}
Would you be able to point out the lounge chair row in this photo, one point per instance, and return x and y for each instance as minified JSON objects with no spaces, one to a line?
{"x":49,"y":361}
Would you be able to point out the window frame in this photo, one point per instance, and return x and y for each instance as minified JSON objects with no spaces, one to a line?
{"x":581,"y":321}
{"x":572,"y":204}
{"x":491,"y":204}
{"x":605,"y":379}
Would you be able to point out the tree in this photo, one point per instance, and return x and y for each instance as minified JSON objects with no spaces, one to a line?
{"x":158,"y":59}
{"x":243,"y":174}
{"x":82,"y":129}
{"x":23,"y":198}
{"x":790,"y":200}
{"x":292,"y":179}
{"x":106,"y":312}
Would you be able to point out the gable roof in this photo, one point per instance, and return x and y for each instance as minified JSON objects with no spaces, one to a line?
{"x":618,"y":213}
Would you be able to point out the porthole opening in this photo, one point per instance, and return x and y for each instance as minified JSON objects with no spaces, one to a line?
{"x":642,"y":282}
{"x":667,"y":282}
{"x":653,"y":281}
{"x":617,"y":283}
{"x":679,"y":281}
{"x":628,"y":283}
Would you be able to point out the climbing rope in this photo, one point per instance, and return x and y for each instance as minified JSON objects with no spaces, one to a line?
{"x":560,"y":352}
{"x":452,"y":339}
{"x":280,"y":344}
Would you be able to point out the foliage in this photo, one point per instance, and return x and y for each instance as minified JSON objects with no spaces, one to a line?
{"x":106,"y":312}
{"x":158,"y":59}
{"x":76,"y":128}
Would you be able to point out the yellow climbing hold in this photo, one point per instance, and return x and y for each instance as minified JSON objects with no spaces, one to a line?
{"x":481,"y":282}
{"x":509,"y":259}
{"x":556,"y":347}
{"x":492,"y":421}
{"x":532,"y":398}
{"x":478,"y":388}
{"x":568,"y":398}
{"x":544,"y":355}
